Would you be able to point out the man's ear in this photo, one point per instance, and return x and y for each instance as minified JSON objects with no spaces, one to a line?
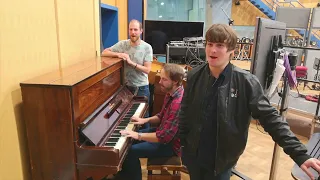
{"x":231,"y":54}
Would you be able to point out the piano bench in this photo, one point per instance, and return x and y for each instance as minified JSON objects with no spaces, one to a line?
{"x":169,"y":168}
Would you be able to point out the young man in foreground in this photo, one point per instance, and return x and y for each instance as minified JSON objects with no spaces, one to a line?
{"x":216,"y":111}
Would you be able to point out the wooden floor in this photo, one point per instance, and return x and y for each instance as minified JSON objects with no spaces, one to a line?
{"x":256,"y":160}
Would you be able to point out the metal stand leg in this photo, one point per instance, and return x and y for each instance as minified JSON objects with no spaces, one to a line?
{"x":240,"y":175}
{"x":315,"y":119}
{"x":246,"y":55}
{"x":276,"y":151}
{"x":239,"y":57}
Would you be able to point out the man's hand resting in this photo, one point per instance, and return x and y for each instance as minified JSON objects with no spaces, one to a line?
{"x":123,"y":56}
{"x":313,"y":163}
{"x":139,"y":121}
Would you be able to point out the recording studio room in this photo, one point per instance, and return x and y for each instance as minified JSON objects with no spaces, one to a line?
{"x":64,"y":104}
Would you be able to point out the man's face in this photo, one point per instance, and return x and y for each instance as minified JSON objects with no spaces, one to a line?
{"x":166,"y":84}
{"x":217,"y":54}
{"x":134,"y":31}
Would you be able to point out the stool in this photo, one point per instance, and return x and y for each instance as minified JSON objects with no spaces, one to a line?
{"x":164,"y":165}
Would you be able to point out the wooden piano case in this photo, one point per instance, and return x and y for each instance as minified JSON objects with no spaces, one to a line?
{"x":56,"y":106}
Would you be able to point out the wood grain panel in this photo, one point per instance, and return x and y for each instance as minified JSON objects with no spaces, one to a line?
{"x":76,"y":31}
{"x":49,"y":132}
{"x":95,"y":95}
{"x":74,"y":74}
{"x":109,"y":2}
{"x":123,"y":18}
{"x":28,"y":47}
{"x":245,"y":14}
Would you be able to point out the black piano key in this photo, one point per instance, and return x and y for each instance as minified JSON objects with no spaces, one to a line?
{"x":115,"y":135}
{"x":123,"y":123}
{"x":116,"y":131}
{"x":113,"y":140}
{"x":121,"y":127}
{"x":110,"y":144}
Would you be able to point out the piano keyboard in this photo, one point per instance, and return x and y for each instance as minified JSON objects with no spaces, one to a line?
{"x":116,"y":140}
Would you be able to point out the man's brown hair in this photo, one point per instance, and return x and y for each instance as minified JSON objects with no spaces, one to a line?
{"x":222,"y":33}
{"x":136,"y":21}
{"x":175,"y":72}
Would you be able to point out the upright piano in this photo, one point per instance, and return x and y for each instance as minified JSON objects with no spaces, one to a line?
{"x":73,"y":117}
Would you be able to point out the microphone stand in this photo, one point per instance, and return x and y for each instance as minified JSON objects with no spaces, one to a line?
{"x":231,"y":21}
{"x":282,"y":111}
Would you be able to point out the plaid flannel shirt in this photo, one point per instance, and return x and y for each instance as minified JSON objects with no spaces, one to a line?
{"x":169,"y":120}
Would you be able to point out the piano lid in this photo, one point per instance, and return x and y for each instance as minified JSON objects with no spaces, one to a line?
{"x":72,"y":75}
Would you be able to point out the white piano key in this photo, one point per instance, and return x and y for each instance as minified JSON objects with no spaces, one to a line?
{"x":130,"y":126}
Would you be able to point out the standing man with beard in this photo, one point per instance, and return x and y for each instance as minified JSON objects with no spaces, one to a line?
{"x":216,"y":111}
{"x":161,"y":141}
{"x":138,"y":57}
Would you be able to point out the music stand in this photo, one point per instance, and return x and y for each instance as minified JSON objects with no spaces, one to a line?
{"x":313,"y":147}
{"x":316,"y":66}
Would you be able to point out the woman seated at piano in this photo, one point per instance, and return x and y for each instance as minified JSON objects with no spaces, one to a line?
{"x":161,"y":141}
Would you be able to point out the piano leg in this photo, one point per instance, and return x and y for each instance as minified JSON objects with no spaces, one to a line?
{"x":93,"y":173}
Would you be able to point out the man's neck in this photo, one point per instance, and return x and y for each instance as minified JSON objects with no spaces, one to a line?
{"x":173,"y":90}
{"x":135,"y":43}
{"x":216,"y":71}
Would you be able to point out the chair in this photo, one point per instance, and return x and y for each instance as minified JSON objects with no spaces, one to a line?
{"x":169,"y":168}
{"x":302,"y":73}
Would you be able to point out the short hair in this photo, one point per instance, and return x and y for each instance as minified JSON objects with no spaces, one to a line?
{"x":175,"y":72}
{"x":134,"y":20}
{"x":222,"y":33}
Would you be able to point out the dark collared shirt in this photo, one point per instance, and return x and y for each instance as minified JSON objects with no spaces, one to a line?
{"x":166,"y":132}
{"x":208,"y":136}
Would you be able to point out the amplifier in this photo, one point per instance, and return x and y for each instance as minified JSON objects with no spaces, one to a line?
{"x":190,"y":55}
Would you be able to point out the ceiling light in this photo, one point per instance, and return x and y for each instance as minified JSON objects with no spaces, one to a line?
{"x":160,"y":16}
{"x":162,"y":3}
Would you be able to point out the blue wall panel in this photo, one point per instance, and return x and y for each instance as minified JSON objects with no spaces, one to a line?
{"x":109,"y":26}
{"x":135,"y":10}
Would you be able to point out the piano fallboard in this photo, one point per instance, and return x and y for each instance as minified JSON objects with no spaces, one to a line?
{"x":100,"y":143}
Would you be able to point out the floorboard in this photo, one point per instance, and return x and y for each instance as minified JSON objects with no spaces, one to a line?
{"x":256,"y":160}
